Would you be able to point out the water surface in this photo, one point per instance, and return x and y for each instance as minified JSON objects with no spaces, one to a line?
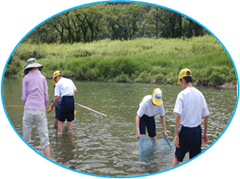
{"x":108,"y":146}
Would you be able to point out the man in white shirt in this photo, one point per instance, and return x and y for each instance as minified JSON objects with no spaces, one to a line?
{"x":150,"y":106}
{"x":66,"y":89}
{"x":190,"y":106}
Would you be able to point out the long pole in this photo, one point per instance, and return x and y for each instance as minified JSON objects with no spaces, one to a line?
{"x":90,"y":109}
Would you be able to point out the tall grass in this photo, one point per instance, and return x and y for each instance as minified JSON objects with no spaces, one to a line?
{"x":140,"y":60}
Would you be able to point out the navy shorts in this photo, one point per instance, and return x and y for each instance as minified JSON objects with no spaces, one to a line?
{"x":57,"y":108}
{"x":67,"y":108}
{"x":148,"y":122}
{"x":190,"y":140}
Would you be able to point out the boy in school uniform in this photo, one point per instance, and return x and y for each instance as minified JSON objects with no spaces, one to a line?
{"x":150,"y":106}
{"x":190,"y":106}
{"x":65,"y":89}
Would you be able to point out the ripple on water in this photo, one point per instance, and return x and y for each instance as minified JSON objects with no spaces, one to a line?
{"x":107,"y":146}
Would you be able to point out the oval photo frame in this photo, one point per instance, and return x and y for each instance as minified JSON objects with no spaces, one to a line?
{"x":132,"y":2}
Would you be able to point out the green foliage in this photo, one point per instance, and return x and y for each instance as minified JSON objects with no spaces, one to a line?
{"x":143,"y":77}
{"x":121,"y":21}
{"x":82,"y":53}
{"x":127,"y":61}
{"x":122,"y":78}
{"x":13,"y":67}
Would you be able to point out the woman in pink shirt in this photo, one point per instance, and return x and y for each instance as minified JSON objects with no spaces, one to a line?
{"x":35,"y":98}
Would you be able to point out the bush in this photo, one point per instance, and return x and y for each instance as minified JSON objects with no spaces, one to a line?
{"x":159,"y":78}
{"x":144,"y":77}
{"x":217,"y":78}
{"x":140,"y":60}
{"x":82,"y":53}
{"x":14,"y":68}
{"x":122,"y":78}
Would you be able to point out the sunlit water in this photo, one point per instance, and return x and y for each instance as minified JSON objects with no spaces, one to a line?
{"x":107,"y":146}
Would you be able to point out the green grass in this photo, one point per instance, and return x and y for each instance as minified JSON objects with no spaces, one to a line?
{"x":139,"y":60}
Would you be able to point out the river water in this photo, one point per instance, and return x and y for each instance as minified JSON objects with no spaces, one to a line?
{"x":107,"y":146}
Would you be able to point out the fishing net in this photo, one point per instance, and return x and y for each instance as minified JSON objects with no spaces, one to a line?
{"x":150,"y":150}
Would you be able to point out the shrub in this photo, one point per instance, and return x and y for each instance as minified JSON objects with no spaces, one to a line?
{"x":122,"y":78}
{"x":82,"y":53}
{"x":141,"y":60}
{"x":143,"y":77}
{"x":159,"y":78}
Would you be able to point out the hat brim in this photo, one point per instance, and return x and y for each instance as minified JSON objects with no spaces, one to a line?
{"x":156,"y":102}
{"x":179,"y":82}
{"x":53,"y":81}
{"x":35,"y":65}
{"x":54,"y":76}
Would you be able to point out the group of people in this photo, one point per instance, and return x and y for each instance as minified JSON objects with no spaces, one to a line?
{"x":190,"y":107}
{"x":35,"y":98}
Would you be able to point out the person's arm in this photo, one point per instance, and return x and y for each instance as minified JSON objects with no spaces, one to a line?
{"x":204,"y":135}
{"x":24,"y":91}
{"x":74,"y":88}
{"x":164,"y":127}
{"x":46,"y":98}
{"x":54,"y":103}
{"x":137,"y":126}
{"x":177,"y":123}
{"x":205,"y":113}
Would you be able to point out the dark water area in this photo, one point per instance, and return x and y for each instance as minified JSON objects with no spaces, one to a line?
{"x":107,"y":146}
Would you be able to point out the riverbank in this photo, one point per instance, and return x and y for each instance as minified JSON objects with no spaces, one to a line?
{"x":228,"y":86}
{"x":141,"y":60}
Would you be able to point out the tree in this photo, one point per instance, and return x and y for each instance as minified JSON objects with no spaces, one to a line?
{"x":170,"y":23}
{"x":95,"y":21}
{"x":125,"y":20}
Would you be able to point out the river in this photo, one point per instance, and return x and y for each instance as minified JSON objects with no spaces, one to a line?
{"x":107,"y":146}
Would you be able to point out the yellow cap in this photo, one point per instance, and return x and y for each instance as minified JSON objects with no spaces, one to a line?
{"x":183,"y":73}
{"x":157,"y":97}
{"x":55,"y":74}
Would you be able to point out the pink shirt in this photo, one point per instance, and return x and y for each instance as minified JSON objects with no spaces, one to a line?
{"x":35,"y":91}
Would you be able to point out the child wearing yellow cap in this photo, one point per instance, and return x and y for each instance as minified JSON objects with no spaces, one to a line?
{"x":189,"y":108}
{"x":65,"y":89}
{"x":150,"y":106}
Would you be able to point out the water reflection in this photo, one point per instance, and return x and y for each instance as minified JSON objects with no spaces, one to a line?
{"x":64,"y":149}
{"x":108,"y":146}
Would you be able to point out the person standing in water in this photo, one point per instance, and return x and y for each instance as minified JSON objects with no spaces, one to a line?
{"x":150,"y":106}
{"x":190,"y":106}
{"x":35,"y":98}
{"x":65,"y":89}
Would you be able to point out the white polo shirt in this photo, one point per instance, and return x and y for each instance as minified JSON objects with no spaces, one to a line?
{"x":64,"y":87}
{"x":192,"y":105}
{"x":146,"y":107}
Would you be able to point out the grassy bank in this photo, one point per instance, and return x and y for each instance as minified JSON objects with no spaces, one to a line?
{"x":140,"y":60}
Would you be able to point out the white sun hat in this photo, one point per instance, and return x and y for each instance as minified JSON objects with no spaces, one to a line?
{"x":32,"y":63}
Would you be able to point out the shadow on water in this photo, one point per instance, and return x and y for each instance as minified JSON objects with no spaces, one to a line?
{"x":108,"y":146}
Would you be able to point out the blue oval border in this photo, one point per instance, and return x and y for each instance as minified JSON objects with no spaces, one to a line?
{"x":130,"y":2}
